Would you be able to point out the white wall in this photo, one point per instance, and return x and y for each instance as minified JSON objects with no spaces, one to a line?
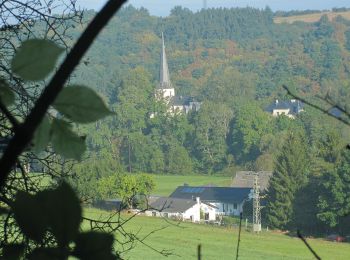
{"x":168,"y":92}
{"x":211,"y":210}
{"x":194,"y":212}
{"x":228,"y":209}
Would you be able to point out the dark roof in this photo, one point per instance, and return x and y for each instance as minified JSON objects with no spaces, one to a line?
{"x":181,"y":100}
{"x":246,"y":179}
{"x":172,"y":205}
{"x":336,"y":112}
{"x":295,"y":106}
{"x":212,"y":194}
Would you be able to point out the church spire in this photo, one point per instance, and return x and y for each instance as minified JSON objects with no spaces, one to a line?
{"x":164,"y":78}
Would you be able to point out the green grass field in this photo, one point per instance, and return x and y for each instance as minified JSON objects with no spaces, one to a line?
{"x":166,"y":184}
{"x":220,"y":243}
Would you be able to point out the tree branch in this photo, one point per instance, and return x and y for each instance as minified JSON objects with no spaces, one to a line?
{"x":25,"y":131}
{"x":319,"y":108}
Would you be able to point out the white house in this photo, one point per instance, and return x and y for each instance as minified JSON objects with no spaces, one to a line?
{"x":288,"y":108}
{"x":225,"y":200}
{"x":181,"y":209}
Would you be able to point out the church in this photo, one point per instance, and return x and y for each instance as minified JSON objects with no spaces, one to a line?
{"x":166,"y":91}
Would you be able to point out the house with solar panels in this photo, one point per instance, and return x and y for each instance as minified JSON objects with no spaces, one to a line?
{"x":227,"y":201}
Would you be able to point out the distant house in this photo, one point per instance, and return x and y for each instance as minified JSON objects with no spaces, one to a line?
{"x":289,"y":108}
{"x":225,"y":200}
{"x":245,"y":179}
{"x":181,"y":209}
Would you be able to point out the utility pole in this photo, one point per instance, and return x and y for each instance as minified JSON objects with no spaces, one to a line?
{"x":256,"y":205}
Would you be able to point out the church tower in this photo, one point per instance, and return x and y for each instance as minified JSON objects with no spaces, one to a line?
{"x":165,"y":88}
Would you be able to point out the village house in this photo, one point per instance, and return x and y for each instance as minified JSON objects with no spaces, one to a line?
{"x":227,"y":201}
{"x":182,"y":209}
{"x":289,"y":108}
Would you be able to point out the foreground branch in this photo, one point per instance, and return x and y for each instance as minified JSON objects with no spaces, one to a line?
{"x":308,"y":246}
{"x":25,"y":131}
{"x":319,"y":108}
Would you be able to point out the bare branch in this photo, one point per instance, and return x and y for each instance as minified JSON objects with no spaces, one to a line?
{"x":26,"y":131}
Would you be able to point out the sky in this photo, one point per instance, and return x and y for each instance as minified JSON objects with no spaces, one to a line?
{"x":163,"y":7}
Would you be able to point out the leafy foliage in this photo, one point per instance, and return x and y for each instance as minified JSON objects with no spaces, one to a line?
{"x":35,"y":59}
{"x":57,"y":211}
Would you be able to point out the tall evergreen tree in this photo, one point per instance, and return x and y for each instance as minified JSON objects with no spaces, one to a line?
{"x":290,"y":174}
{"x":334,"y":202}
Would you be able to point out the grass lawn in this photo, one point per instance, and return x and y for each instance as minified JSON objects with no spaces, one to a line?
{"x":166,"y":184}
{"x":220,"y":243}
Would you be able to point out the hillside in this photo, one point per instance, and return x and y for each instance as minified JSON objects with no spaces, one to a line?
{"x":235,"y":62}
{"x":311,"y":18}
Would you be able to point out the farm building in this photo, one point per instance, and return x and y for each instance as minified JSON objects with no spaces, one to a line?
{"x":245,"y":179}
{"x":225,"y":200}
{"x":182,"y":209}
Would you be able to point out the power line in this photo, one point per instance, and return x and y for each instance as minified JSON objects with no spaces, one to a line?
{"x":256,"y":205}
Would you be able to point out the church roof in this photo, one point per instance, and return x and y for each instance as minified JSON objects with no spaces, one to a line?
{"x":164,"y":76}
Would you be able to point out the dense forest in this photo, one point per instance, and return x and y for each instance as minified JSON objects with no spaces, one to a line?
{"x":235,"y":61}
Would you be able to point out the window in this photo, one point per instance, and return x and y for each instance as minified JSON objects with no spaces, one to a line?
{"x":235,"y":205}
{"x":154,"y":213}
{"x":166,"y":215}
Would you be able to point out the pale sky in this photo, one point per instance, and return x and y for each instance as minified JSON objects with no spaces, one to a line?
{"x":163,"y":7}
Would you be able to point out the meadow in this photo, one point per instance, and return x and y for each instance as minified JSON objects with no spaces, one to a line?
{"x":166,"y":184}
{"x":311,"y":18}
{"x":219,"y":242}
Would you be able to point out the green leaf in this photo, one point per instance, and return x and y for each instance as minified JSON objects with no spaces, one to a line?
{"x":6,"y":94}
{"x":28,"y":213}
{"x":42,"y":135}
{"x":12,"y":251}
{"x":35,"y":59}
{"x":81,"y":104}
{"x":94,"y":245}
{"x":64,"y":213}
{"x":65,"y":141}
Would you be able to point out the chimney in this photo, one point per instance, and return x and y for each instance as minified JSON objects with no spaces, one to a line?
{"x":276,"y":101}
{"x":198,"y":199}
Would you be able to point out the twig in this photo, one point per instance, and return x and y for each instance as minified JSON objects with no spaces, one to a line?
{"x":25,"y":132}
{"x":9,"y":116}
{"x":317,"y":107}
{"x":199,"y":252}
{"x":308,"y":246}
{"x":239,"y":234}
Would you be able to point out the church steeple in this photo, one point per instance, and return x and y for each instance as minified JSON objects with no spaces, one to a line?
{"x":164,"y":78}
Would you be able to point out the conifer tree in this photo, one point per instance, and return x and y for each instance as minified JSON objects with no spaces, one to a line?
{"x":290,"y":174}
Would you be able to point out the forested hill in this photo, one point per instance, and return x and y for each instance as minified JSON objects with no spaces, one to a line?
{"x":235,"y":61}
{"x":202,"y":46}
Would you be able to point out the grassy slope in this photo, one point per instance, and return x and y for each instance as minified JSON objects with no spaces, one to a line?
{"x":166,"y":184}
{"x":220,"y":243}
{"x":310,"y":18}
